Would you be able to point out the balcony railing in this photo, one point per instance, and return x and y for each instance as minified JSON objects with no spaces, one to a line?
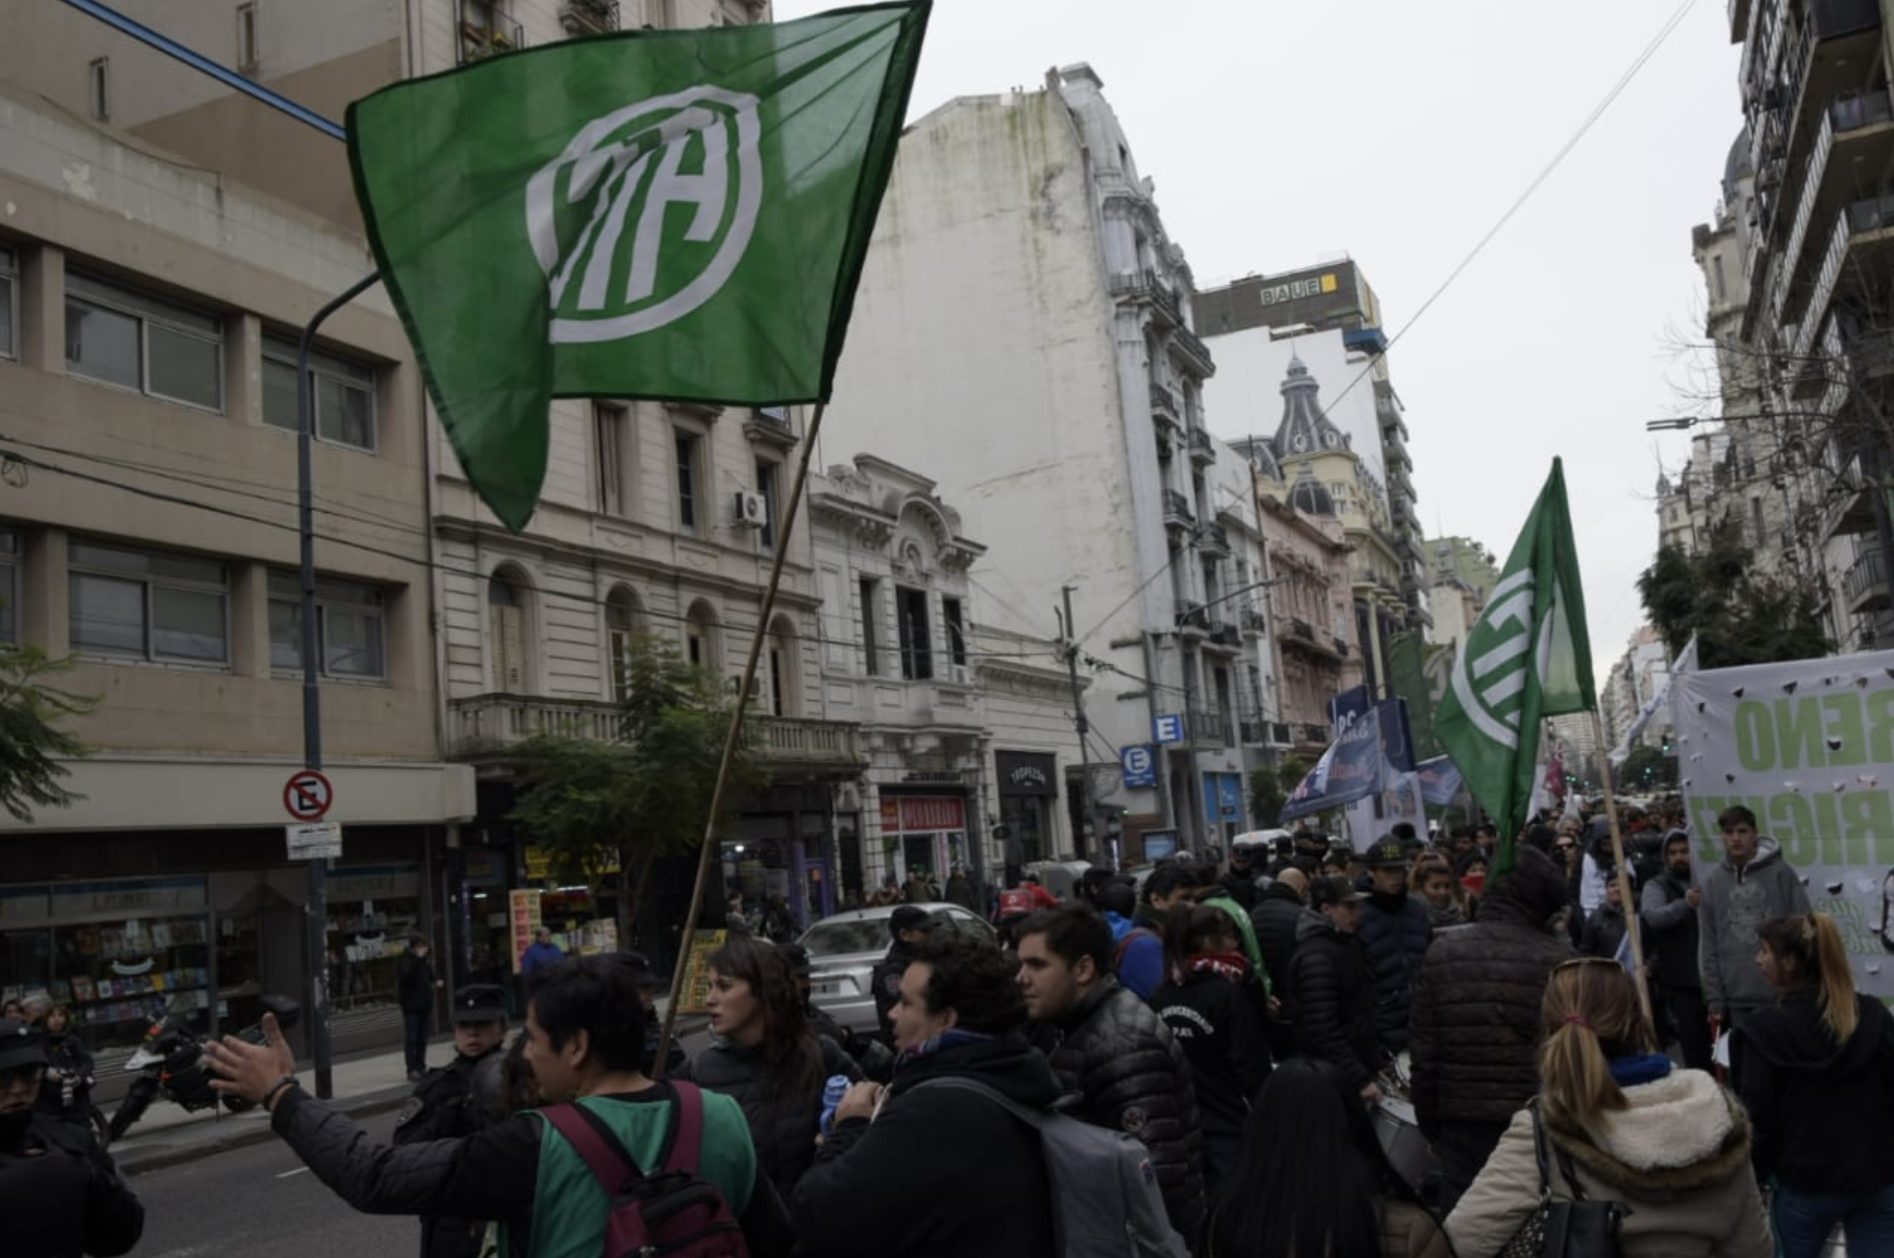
{"x":1164,"y":402}
{"x":1843,"y":116}
{"x":1210,"y":727}
{"x":589,"y":17}
{"x":1177,"y":507}
{"x":1871,"y":214}
{"x":1301,"y":628}
{"x":1215,"y":538}
{"x":1193,"y":345}
{"x":1314,"y":733}
{"x":1147,"y":286}
{"x":1202,"y":449}
{"x":479,"y":40}
{"x":490,"y":724}
{"x":1866,"y":582}
{"x":801,"y":740}
{"x":1254,"y":731}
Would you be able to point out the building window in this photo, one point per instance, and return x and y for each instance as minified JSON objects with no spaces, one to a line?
{"x":9,"y":302}
{"x":246,"y":37}
{"x":917,"y":656}
{"x":766,"y":487}
{"x":343,"y":393}
{"x":871,"y":610}
{"x":9,"y":586}
{"x":621,"y":627}
{"x":506,"y":621}
{"x":1755,"y":516}
{"x":98,"y":88}
{"x":350,"y":628}
{"x":116,"y":336}
{"x":149,"y":605}
{"x":956,"y":631}
{"x":690,"y":496}
{"x":1716,"y":261}
{"x":609,"y":423}
{"x":700,"y":638}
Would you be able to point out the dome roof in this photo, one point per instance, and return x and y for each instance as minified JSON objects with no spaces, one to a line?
{"x":1663,"y":485}
{"x":1305,"y":429}
{"x":1309,"y":496}
{"x":1736,"y":167}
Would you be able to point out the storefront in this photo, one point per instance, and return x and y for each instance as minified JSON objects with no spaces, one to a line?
{"x":1029,"y":791}
{"x":925,"y":835}
{"x":1223,"y":807}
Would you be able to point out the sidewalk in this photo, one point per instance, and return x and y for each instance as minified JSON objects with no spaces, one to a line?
{"x":364,"y":1084}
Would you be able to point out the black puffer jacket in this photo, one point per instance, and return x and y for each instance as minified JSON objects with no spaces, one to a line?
{"x":1332,"y":998}
{"x":784,"y":1133}
{"x":939,"y":1172}
{"x":1395,"y":931}
{"x":1274,"y":919}
{"x":1132,"y":1077}
{"x":1822,"y":1111}
{"x":1474,"y":1031}
{"x":1220,"y":1026}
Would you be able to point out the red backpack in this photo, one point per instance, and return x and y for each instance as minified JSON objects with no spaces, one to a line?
{"x":674,"y":1212}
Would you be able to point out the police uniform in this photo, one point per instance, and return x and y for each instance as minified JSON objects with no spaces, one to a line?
{"x":59,"y":1191}
{"x":455,"y":1101}
{"x":647,"y":978}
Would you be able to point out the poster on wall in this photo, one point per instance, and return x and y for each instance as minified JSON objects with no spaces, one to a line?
{"x":524,"y":912}
{"x":1808,"y":746}
{"x":696,"y":989}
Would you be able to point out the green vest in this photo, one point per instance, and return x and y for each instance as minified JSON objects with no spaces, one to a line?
{"x":569,"y":1206}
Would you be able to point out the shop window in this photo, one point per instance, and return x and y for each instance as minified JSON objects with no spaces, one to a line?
{"x":149,"y":605}
{"x":350,"y":628}
{"x":9,"y":302}
{"x":124,"y":338}
{"x":342,"y":391}
{"x":917,"y":656}
{"x":9,"y":586}
{"x":372,"y":911}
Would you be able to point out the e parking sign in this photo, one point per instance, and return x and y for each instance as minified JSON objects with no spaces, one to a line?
{"x":1139,"y":767}
{"x":1167,"y":729}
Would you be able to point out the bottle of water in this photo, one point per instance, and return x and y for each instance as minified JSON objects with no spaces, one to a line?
{"x":832,"y":1093}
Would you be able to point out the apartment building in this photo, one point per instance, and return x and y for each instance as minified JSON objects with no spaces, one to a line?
{"x":148,"y":424}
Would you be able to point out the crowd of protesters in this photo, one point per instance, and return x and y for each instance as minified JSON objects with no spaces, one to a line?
{"x":1411,"y":1049}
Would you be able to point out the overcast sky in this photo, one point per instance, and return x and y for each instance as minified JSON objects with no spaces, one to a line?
{"x":1279,"y":134}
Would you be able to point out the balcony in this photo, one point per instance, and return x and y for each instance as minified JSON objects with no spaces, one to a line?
{"x":1164,"y":404}
{"x":1147,"y":287}
{"x":1254,"y":731}
{"x":1202,"y":449}
{"x":1315,"y":734}
{"x":1194,"y":350}
{"x":1825,"y":56}
{"x":589,"y":17}
{"x":1177,"y":510}
{"x":1214,"y":539}
{"x":1860,"y":238}
{"x":1254,"y":621}
{"x":770,"y":424}
{"x":1866,"y":585}
{"x":1210,"y":727}
{"x":1225,"y":634}
{"x":488,"y":727}
{"x":1858,"y":125}
{"x":1192,"y":616}
{"x":480,"y":40}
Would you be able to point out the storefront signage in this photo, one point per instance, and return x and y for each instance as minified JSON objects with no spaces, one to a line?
{"x":1295,"y":290}
{"x":126,"y":899}
{"x":948,"y":776}
{"x":1026,"y":773}
{"x":1167,"y":729}
{"x":385,"y":883}
{"x":1138,"y":765}
{"x":307,"y":795}
{"x":539,"y":864}
{"x":911,"y":813}
{"x":523,"y":912}
{"x":320,"y":840}
{"x":697,"y":970}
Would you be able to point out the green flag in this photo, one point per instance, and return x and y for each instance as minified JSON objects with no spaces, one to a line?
{"x":661,"y":214}
{"x":1526,"y":658}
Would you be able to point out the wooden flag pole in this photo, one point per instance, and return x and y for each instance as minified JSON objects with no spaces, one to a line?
{"x":734,"y":735}
{"x":1623,"y":874}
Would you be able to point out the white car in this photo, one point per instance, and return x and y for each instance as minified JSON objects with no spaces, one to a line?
{"x":844,"y":950}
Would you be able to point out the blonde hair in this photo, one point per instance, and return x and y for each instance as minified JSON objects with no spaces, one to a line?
{"x":1812,"y":943}
{"x":1590,"y":1014}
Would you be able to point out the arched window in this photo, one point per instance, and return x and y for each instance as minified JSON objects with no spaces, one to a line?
{"x":508,"y":609}
{"x":622,"y":624}
{"x":703,"y":647}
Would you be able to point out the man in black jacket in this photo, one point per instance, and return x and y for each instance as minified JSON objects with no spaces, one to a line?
{"x":1278,"y":909}
{"x":415,"y":985}
{"x":1669,"y":903}
{"x":1395,"y":931}
{"x":457,"y":1100}
{"x":910,"y":926}
{"x":1239,"y":880}
{"x":1474,"y":1032}
{"x":1112,"y":1049}
{"x":935,"y":1171}
{"x":585,"y":1038}
{"x":1331,"y":989}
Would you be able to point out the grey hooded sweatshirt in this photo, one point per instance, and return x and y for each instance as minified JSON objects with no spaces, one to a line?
{"x":1735,"y":903}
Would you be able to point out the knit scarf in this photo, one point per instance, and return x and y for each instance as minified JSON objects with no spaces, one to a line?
{"x":946,"y":1039}
{"x":1231,"y":965}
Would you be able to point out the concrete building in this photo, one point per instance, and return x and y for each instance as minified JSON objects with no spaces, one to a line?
{"x":1311,"y":614}
{"x":1023,"y":331}
{"x":147,"y":406}
{"x":1817,"y":313}
{"x":1034,"y":781}
{"x":1329,"y":317}
{"x":1461,"y":575}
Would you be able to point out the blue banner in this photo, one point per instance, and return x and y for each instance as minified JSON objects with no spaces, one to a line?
{"x":1439,"y":781}
{"x":1349,"y":770}
{"x":1397,"y":743}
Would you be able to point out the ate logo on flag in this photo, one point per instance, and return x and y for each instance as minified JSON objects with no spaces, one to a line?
{"x":1489,"y":676}
{"x":598,"y":214}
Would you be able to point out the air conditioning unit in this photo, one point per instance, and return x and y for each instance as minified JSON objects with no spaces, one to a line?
{"x":752,"y":509}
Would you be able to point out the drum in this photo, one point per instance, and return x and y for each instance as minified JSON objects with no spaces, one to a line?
{"x":1400,"y":1138}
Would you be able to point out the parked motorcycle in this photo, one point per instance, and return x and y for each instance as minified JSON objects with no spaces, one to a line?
{"x":170,"y":1063}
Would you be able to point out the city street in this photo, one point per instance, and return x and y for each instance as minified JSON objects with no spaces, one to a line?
{"x":260,"y":1200}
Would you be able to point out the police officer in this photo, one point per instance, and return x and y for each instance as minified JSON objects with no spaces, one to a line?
{"x":60,"y":1194}
{"x":650,"y":983}
{"x":457,"y":1100}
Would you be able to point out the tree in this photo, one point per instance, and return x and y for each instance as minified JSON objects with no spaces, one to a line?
{"x":1739,"y":616}
{"x":599,"y":806}
{"x":31,"y":745}
{"x":1646,"y":768}
{"x":1270,"y":788}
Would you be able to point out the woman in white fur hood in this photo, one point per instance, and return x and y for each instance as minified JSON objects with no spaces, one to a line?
{"x":1668,"y":1144}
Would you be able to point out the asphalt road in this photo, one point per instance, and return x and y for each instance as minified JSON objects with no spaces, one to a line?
{"x":260,"y":1200}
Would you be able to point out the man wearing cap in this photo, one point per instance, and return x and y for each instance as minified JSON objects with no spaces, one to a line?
{"x":874,"y":1057}
{"x":458,"y":1099}
{"x":910,"y":926}
{"x":1331,"y":991}
{"x":415,"y":985}
{"x":1395,"y":931}
{"x":59,"y":1191}
{"x":650,"y":983}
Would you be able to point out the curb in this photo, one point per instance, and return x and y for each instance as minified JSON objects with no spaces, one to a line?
{"x":133,"y":1160}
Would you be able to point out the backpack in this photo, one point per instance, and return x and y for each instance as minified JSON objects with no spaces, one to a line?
{"x":674,"y":1212}
{"x":1105,"y":1198}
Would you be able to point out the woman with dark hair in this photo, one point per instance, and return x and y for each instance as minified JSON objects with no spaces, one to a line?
{"x":764,"y":1055}
{"x":1620,"y":1124}
{"x":1433,"y":883}
{"x":1213,"y":1004}
{"x":1816,"y":1072}
{"x":66,"y":1091}
{"x":1306,"y":1185}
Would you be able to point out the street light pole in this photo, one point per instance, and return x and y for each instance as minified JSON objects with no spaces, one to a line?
{"x":1079,"y":722}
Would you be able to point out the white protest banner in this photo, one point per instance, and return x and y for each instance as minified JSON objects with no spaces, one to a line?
{"x":1808,"y":746}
